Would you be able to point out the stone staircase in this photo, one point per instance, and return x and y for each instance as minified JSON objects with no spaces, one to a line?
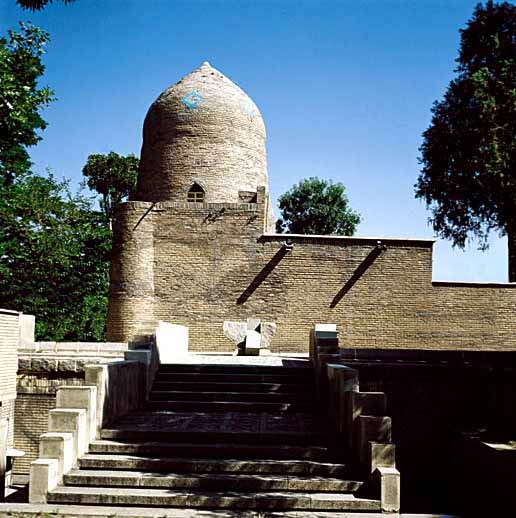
{"x":219,"y":436}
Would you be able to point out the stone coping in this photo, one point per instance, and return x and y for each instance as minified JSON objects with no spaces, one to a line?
{"x":351,"y":240}
{"x":469,"y":284}
{"x":97,"y":348}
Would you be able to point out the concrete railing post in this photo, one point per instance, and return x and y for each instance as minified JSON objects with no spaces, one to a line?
{"x":381,"y":455}
{"x":324,"y":348}
{"x":362,"y":404}
{"x":370,"y":429}
{"x":74,"y":421}
{"x":341,"y":379}
{"x":58,"y":446}
{"x":96,"y":376}
{"x":388,"y":480}
{"x":81,"y":397}
{"x":43,"y":478}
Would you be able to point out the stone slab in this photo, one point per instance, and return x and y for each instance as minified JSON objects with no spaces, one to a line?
{"x":229,"y":500}
{"x":184,"y":465}
{"x":27,"y":328}
{"x":172,"y":341}
{"x":215,"y":482}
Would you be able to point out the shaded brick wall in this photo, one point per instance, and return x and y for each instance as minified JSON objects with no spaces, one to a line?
{"x":199,"y":265}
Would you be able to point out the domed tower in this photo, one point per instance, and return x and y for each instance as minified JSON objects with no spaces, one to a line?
{"x":195,"y":222}
{"x":203,"y":141}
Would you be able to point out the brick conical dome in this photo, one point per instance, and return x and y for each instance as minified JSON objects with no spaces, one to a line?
{"x":202,"y":134}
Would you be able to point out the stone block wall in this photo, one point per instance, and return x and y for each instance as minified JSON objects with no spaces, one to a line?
{"x":200,"y":265}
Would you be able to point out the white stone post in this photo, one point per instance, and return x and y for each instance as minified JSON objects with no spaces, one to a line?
{"x":96,"y":375}
{"x":81,"y":397}
{"x":43,"y":478}
{"x":74,"y":421}
{"x":389,"y":482}
{"x":58,"y":446}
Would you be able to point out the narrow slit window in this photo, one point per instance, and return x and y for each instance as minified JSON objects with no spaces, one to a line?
{"x":196,"y":194}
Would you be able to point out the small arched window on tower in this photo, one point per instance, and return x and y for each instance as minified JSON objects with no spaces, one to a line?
{"x":196,"y":194}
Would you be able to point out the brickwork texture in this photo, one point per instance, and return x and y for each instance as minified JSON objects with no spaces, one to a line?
{"x":199,"y":266}
{"x":203,"y":129}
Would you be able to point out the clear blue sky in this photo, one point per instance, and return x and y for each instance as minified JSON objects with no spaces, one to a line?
{"x":345,"y":89}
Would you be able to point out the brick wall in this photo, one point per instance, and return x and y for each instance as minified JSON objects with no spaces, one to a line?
{"x":200,"y":265}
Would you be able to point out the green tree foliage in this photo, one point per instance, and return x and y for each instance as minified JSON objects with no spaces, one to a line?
{"x":316,"y":206}
{"x":54,"y":258}
{"x":38,"y":5}
{"x":113,"y":177}
{"x":20,"y":98}
{"x":468,"y":178}
{"x":54,"y":247}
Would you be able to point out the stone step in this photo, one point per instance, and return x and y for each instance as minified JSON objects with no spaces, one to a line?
{"x":227,"y":500}
{"x":15,"y":510}
{"x":236,"y":368}
{"x":211,"y":450}
{"x":265,"y":397}
{"x":235,"y":436}
{"x":295,"y":388}
{"x":228,"y":406}
{"x":187,"y":465}
{"x":225,"y":377}
{"x":214,"y":482}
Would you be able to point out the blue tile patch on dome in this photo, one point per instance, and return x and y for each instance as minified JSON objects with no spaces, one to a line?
{"x":249,"y":107}
{"x":192,"y":99}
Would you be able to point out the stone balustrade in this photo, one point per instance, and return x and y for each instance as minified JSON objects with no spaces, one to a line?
{"x":359,"y":426}
{"x":111,"y":390}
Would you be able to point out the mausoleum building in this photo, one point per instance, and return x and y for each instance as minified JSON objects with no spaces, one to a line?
{"x":195,"y":246}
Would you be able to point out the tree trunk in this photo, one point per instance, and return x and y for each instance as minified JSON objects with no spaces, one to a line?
{"x":511,"y":245}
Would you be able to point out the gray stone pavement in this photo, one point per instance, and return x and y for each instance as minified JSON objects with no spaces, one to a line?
{"x":77,"y":511}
